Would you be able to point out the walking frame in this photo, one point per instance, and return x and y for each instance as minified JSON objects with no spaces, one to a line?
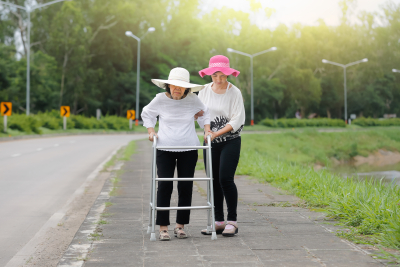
{"x":210,"y":191}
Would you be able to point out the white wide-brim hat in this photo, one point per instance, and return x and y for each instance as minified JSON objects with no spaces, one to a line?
{"x":178,"y":77}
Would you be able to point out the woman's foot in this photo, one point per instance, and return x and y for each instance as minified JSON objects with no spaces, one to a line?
{"x":180,"y":233}
{"x":164,"y":235}
{"x":231,"y":229}
{"x":219,"y":227}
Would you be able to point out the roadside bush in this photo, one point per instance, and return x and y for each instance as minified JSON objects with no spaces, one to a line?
{"x":116,"y":123}
{"x":49,"y":122}
{"x":365,"y":122}
{"x":293,"y":123}
{"x":23,"y":123}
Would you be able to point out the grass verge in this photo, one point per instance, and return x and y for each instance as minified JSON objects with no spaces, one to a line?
{"x":369,"y":208}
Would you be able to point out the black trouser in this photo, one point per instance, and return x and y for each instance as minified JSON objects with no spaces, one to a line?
{"x":185,"y":162}
{"x":225,"y":158}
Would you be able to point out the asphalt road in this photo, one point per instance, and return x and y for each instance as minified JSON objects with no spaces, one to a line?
{"x":38,"y":176}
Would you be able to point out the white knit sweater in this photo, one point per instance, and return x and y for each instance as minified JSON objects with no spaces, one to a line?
{"x":176,"y":127}
{"x":227,"y":108}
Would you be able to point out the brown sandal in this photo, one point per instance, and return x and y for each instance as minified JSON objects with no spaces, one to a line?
{"x":180,"y":233}
{"x":164,"y":236}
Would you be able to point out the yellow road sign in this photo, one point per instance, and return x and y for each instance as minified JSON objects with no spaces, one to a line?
{"x":64,"y":110}
{"x":6,"y":108}
{"x":130,"y":114}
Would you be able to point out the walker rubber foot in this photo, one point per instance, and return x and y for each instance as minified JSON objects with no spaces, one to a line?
{"x":148,"y":229}
{"x":214,"y":236}
{"x":153,"y":237}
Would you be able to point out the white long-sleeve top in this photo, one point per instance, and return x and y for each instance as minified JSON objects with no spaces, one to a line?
{"x":176,"y":120}
{"x":227,"y":108}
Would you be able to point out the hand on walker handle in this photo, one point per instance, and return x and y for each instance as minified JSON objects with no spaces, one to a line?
{"x":211,"y":134}
{"x":151,"y":136}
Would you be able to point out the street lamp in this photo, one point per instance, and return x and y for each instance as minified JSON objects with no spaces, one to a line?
{"x":28,"y":37}
{"x":130,"y":34}
{"x":344,"y":72}
{"x":251,"y":69}
{"x":394,"y":70}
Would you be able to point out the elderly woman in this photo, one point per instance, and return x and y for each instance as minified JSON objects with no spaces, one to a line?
{"x":176,"y":109}
{"x":227,"y":116}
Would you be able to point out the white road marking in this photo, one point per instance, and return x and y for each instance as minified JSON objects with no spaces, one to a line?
{"x":19,"y":259}
{"x":56,"y":144}
{"x":39,"y":149}
{"x":15,"y":155}
{"x":72,"y":141}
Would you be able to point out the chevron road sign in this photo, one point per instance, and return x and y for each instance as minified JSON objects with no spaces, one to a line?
{"x":6,"y":108}
{"x":130,"y":114}
{"x":64,"y":111}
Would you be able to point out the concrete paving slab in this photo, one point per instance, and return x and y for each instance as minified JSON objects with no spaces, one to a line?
{"x":268,"y":235}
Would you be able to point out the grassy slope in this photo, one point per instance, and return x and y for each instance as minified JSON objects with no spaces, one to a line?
{"x":370,"y":209}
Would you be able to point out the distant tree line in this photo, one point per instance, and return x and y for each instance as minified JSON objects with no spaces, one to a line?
{"x":81,"y":57}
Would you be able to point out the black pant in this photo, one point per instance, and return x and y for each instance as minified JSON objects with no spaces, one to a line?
{"x":225,"y":158}
{"x":186,"y":164}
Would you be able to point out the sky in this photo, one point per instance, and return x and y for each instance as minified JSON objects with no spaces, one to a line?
{"x":307,"y":12}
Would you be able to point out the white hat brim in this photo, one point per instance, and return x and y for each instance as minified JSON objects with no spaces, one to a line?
{"x":161,"y":84}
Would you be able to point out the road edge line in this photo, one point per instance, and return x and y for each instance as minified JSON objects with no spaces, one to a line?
{"x":23,"y":254}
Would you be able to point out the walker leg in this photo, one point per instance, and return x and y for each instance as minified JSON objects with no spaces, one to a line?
{"x":153,"y":237}
{"x":214,"y":236}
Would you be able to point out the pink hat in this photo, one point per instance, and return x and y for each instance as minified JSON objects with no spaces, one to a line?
{"x":219,"y":63}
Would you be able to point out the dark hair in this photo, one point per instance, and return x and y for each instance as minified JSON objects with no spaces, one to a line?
{"x":166,"y":87}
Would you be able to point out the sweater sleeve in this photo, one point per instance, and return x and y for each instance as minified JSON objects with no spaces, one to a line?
{"x":205,"y":119}
{"x":150,"y":113}
{"x":238,"y":115}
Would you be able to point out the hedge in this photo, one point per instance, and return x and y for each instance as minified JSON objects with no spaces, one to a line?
{"x":292,"y":123}
{"x":376,"y":122}
{"x":52,"y":120}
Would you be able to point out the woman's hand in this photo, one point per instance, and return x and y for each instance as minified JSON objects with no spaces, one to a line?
{"x":151,"y":135}
{"x":198,"y":114}
{"x":211,"y":134}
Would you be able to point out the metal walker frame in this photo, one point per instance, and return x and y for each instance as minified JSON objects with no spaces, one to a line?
{"x":210,"y":191}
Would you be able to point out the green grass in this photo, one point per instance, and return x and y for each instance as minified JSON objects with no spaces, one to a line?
{"x":369,"y":208}
{"x":310,"y":146}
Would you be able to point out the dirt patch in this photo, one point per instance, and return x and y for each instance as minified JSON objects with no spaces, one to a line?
{"x":56,"y":240}
{"x":378,"y":158}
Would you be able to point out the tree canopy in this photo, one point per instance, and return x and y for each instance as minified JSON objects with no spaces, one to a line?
{"x":81,"y":57}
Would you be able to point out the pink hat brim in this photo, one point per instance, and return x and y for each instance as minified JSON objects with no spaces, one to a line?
{"x":226,"y":71}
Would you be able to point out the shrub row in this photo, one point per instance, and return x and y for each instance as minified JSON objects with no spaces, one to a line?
{"x":376,"y":122}
{"x":53,"y":121}
{"x":290,"y":123}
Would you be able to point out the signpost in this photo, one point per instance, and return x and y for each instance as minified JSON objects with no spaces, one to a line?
{"x":130,"y":115}
{"x":65,"y":112}
{"x":5,"y":110}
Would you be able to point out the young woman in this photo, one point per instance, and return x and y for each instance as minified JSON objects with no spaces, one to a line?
{"x":227,"y":117}
{"x":176,"y":109}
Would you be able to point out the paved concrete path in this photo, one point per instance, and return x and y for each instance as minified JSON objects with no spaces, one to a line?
{"x":268,"y":235}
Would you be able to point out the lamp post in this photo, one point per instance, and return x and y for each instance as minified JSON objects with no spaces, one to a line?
{"x":251,"y":70}
{"x":28,"y":39}
{"x":344,"y":73}
{"x":130,"y":34}
{"x":394,"y":70}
